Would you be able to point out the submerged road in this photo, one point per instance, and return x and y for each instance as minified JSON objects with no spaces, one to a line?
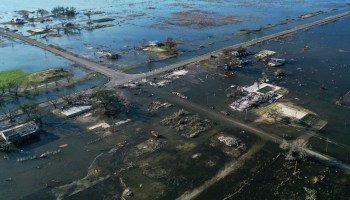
{"x":118,"y":77}
{"x":215,"y":116}
{"x":233,"y":166}
{"x":114,"y":75}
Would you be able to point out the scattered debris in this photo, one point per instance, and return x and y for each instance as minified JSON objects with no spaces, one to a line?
{"x":43,"y":155}
{"x":127,"y":193}
{"x":180,"y":95}
{"x":175,"y":74}
{"x":50,"y":153}
{"x":279,"y":73}
{"x":149,"y":146}
{"x":63,"y":146}
{"x":257,"y":94}
{"x":100,"y":125}
{"x":122,"y":122}
{"x":229,"y":141}
{"x":196,"y":156}
{"x":155,"y":134}
{"x":264,"y":53}
{"x":276,"y":62}
{"x":187,"y":124}
{"x":156,"y":105}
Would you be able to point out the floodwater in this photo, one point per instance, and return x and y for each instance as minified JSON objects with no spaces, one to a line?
{"x":141,"y":21}
{"x":265,"y":175}
{"x":19,"y":55}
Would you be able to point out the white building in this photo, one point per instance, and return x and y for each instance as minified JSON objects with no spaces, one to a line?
{"x":73,"y":111}
{"x":19,"y":132}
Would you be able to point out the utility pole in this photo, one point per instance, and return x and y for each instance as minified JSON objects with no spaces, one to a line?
{"x":327,"y":145}
{"x":246,"y":113}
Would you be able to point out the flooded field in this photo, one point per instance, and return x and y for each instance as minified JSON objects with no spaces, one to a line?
{"x":199,"y":27}
{"x":176,"y":135}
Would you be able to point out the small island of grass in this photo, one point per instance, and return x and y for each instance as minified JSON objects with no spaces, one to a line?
{"x":11,"y":75}
{"x":21,"y":78}
{"x":107,"y":19}
{"x":49,"y":75}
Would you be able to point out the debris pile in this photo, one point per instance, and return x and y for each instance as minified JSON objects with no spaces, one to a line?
{"x":156,"y":105}
{"x":187,"y":124}
{"x":264,"y":53}
{"x":180,"y":95}
{"x":149,"y":146}
{"x":229,"y":141}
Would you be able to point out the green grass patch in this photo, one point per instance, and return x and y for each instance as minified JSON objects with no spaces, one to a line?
{"x":308,"y":120}
{"x":107,"y":19}
{"x":49,"y":75}
{"x":160,"y":49}
{"x":266,"y":89}
{"x":9,"y":76}
{"x":19,"y":76}
{"x":99,"y":26}
{"x":262,"y":28}
{"x":282,"y":91}
{"x":267,"y":109}
{"x":126,"y":69}
{"x":247,"y":31}
{"x":309,"y":15}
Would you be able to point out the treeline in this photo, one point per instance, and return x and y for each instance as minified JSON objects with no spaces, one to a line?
{"x":64,"y":11}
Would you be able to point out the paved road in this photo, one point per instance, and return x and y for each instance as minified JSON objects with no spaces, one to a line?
{"x":93,"y":66}
{"x":118,"y":78}
{"x":248,"y":43}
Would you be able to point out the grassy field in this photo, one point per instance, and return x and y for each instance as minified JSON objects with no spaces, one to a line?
{"x":103,"y":20}
{"x":9,"y":76}
{"x":19,"y":76}
{"x":49,"y":75}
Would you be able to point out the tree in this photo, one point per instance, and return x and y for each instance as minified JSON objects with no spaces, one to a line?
{"x":10,"y":113}
{"x":30,"y":110}
{"x":295,"y":149}
{"x":53,"y":101}
{"x":64,"y":11}
{"x":14,"y":87}
{"x":42,"y":12}
{"x":110,"y":102}
{"x":25,"y":15}
{"x":171,"y":43}
{"x":88,"y":14}
{"x":274,"y":114}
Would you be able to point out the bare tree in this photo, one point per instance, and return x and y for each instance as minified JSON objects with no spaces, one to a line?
{"x":109,"y":101}
{"x":274,"y":114}
{"x":295,"y":150}
{"x":10,"y":113}
{"x":54,"y":102}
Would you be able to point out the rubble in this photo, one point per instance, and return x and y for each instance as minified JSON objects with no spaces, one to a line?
{"x":229,"y":141}
{"x":180,"y":95}
{"x":149,"y":146}
{"x":264,"y":53}
{"x":257,"y":94}
{"x":187,"y":124}
{"x":156,"y":105}
{"x":276,"y":62}
{"x":279,"y":73}
{"x":102,"y":125}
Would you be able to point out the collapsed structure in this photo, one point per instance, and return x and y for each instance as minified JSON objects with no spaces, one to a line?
{"x":19,"y":133}
{"x":257,"y":94}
